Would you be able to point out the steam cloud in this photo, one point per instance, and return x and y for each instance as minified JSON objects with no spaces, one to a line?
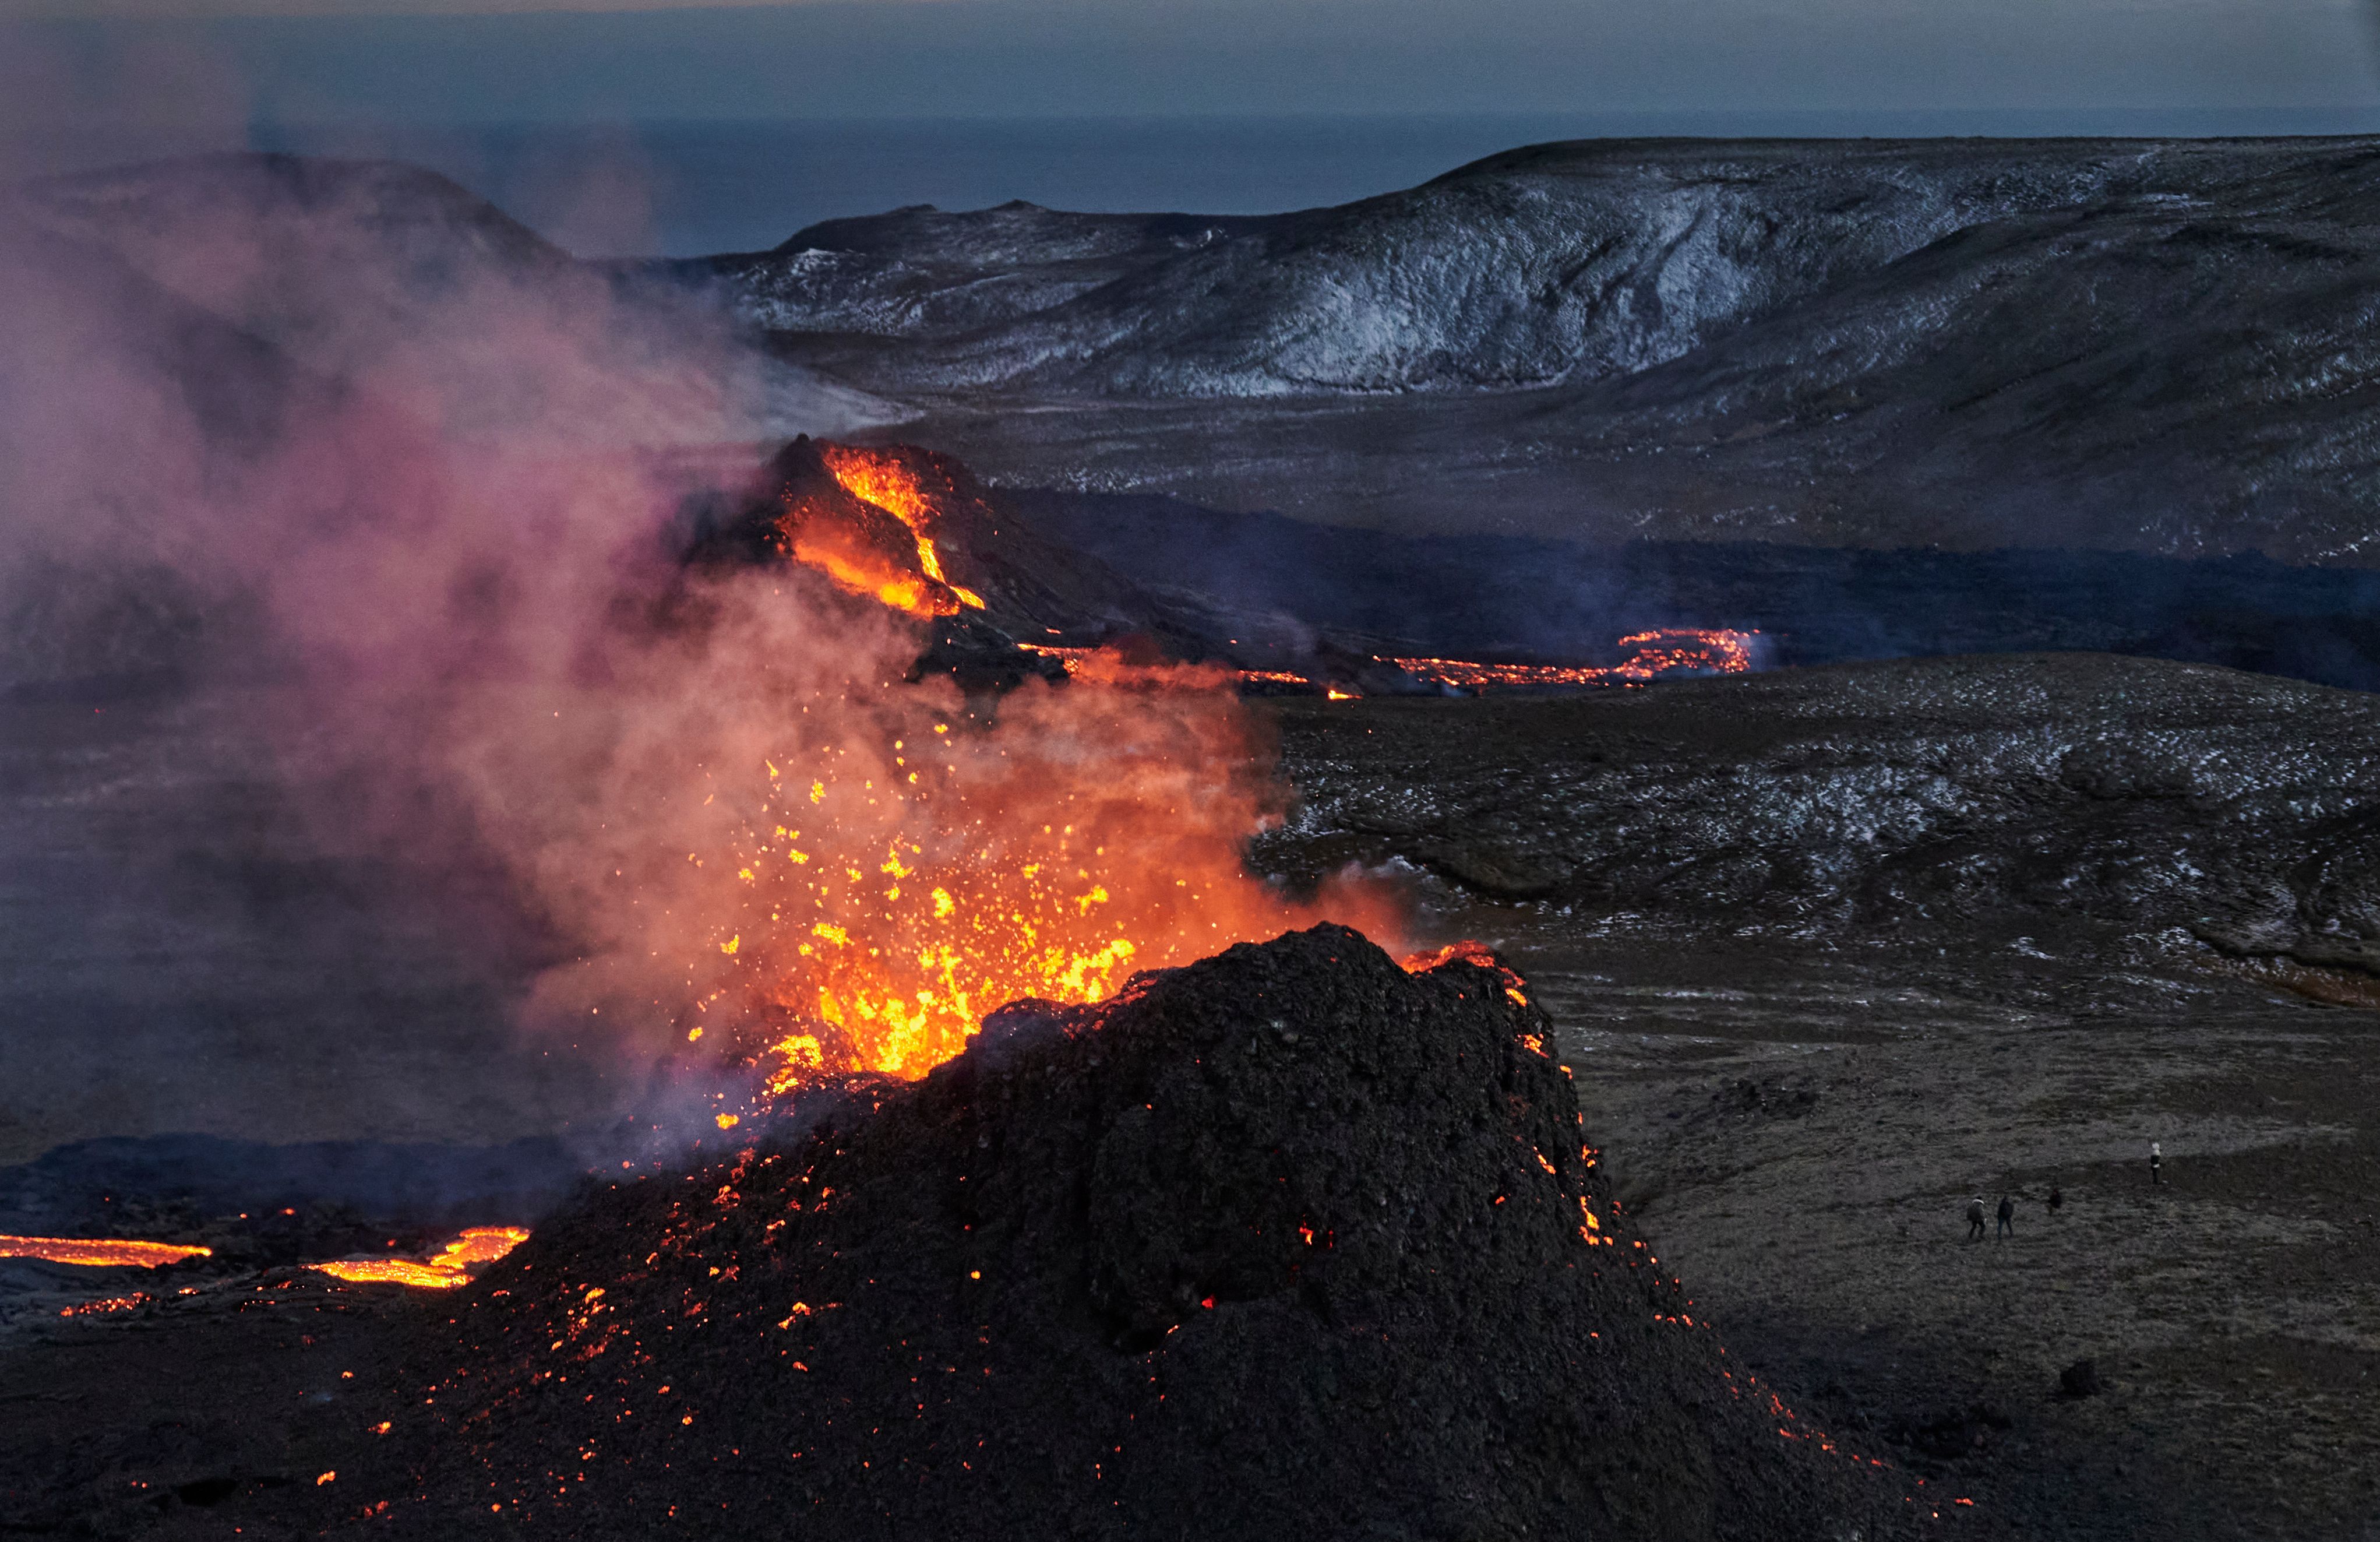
{"x":409,"y":476}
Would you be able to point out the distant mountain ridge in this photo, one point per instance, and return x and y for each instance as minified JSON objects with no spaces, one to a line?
{"x":2156,"y":345}
{"x":2163,"y":348}
{"x":1548,"y":264}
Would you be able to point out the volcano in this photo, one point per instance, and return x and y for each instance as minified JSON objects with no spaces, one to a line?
{"x":1287,"y":1242}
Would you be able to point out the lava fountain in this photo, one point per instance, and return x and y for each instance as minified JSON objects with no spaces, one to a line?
{"x":881,"y":861}
{"x":884,"y":899}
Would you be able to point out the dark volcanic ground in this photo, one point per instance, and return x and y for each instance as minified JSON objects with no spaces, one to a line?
{"x":1829,"y":952}
{"x":1827,"y":970}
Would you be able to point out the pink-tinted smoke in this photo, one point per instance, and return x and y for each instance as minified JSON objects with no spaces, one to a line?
{"x":409,"y":451}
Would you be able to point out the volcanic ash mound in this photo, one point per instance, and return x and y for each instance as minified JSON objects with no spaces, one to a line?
{"x":1286,"y":1243}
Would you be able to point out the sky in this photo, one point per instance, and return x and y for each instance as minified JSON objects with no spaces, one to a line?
{"x":448,"y":61}
{"x":642,"y":127}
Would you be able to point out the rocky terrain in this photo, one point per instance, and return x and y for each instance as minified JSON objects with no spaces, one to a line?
{"x":1285,"y":1242}
{"x":2141,"y":803}
{"x":1827,"y":970}
{"x":1870,"y":398}
{"x":1829,"y":952}
{"x":2144,"y":346}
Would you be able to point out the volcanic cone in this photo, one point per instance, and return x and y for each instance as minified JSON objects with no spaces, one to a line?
{"x":1290,"y":1242}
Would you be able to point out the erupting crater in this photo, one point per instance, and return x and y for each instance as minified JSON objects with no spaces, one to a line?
{"x":1289,"y":1242}
{"x":906,"y":861}
{"x":894,"y":860}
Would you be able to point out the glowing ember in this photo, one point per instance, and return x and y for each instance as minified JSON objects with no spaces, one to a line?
{"x":449,"y":1269}
{"x":1069,"y":657}
{"x":1673,"y":651}
{"x":103,"y":1306}
{"x":888,"y":899}
{"x":1471,"y":951}
{"x":889,"y":483}
{"x":100,"y":1252}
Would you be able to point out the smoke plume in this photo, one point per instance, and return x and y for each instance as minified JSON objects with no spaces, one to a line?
{"x":405,"y":476}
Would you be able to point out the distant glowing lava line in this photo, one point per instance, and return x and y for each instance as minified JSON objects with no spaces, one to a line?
{"x":100,"y":1252}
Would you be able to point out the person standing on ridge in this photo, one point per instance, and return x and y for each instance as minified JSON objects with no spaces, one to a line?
{"x":1975,"y":1219}
{"x":2056,"y":1197}
{"x":2156,"y":1164}
{"x":2008,"y":1217}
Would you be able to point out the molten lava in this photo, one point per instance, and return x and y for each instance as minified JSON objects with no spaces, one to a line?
{"x":100,"y":1252}
{"x":449,"y":1269}
{"x":105,"y":1305}
{"x":1069,"y":657}
{"x":889,"y":483}
{"x":888,"y":898}
{"x":1648,"y":655}
{"x":862,"y":518}
{"x":1471,"y":951}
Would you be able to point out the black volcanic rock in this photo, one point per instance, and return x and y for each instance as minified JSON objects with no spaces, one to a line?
{"x":2012,"y":797}
{"x":1287,"y":1242}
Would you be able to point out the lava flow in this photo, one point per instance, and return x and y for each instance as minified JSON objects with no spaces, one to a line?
{"x":1649,"y":655}
{"x":100,"y":1252}
{"x":866,"y":520}
{"x":891,"y":484}
{"x":449,"y":1269}
{"x":1471,"y":951}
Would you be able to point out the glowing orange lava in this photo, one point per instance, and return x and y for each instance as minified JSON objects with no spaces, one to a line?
{"x":888,"y":898}
{"x":100,"y":1252}
{"x":1470,"y":952}
{"x":1069,"y":657}
{"x":449,"y":1269}
{"x":1649,"y":655}
{"x":889,"y":483}
{"x":105,"y":1305}
{"x":900,"y":591}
